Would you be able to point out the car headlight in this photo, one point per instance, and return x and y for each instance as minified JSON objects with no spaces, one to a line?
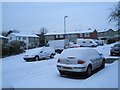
{"x":29,"y":55}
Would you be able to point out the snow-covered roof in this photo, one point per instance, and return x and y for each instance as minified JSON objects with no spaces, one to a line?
{"x":76,"y":32}
{"x":24,"y":35}
{"x":105,"y":30}
{"x":3,"y":37}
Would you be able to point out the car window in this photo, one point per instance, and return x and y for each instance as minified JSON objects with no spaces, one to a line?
{"x":84,"y":42}
{"x":117,"y":45}
{"x":90,"y":41}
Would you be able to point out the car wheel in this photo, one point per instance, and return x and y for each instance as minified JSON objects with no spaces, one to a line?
{"x":52,"y":56}
{"x":27,"y":60}
{"x":103,"y":64}
{"x":81,"y":46}
{"x":61,"y":72}
{"x":89,"y":71}
{"x":37,"y":58}
{"x":111,"y":54}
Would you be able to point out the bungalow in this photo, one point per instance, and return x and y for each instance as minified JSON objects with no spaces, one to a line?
{"x":72,"y":36}
{"x":31,"y":40}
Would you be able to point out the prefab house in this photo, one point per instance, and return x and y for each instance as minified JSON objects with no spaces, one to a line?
{"x":31,"y":40}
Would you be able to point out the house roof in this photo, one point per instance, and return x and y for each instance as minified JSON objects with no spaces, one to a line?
{"x":105,"y":30}
{"x":24,"y":35}
{"x":76,"y":32}
{"x":3,"y":37}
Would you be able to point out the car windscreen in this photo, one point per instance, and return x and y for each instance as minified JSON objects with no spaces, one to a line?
{"x":117,"y":45}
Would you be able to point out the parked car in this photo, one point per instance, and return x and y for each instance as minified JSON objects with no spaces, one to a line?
{"x":80,"y":60}
{"x":115,"y":50}
{"x":86,"y":43}
{"x":39,"y":53}
{"x":100,"y":42}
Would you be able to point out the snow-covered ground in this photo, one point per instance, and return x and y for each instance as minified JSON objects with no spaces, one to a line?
{"x":43,"y":74}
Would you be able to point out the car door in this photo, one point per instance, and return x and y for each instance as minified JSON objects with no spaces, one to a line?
{"x":98,"y":60}
{"x":47,"y":51}
{"x":94,"y":59}
{"x":94,"y":63}
{"x":42,"y":54}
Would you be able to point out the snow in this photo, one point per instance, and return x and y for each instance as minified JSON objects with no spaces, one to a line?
{"x":105,"y":50}
{"x":84,"y":53}
{"x":33,"y":51}
{"x":44,"y":74}
{"x":3,"y":37}
{"x":24,"y":35}
{"x":75,"y":32}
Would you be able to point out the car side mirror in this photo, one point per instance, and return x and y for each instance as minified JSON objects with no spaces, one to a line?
{"x":100,"y":54}
{"x":41,"y":51}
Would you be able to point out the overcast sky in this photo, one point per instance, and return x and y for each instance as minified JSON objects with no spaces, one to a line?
{"x":31,"y":16}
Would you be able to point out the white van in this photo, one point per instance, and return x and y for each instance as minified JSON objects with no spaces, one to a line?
{"x":77,"y":60}
{"x":39,"y":53}
{"x":86,"y":43}
{"x":58,"y":44}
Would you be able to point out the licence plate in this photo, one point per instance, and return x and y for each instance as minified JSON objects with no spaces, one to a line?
{"x":71,"y":57}
{"x":67,"y":68}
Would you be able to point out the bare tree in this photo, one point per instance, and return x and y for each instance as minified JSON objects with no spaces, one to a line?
{"x":43,"y":30}
{"x":115,"y":14}
{"x":16,"y":31}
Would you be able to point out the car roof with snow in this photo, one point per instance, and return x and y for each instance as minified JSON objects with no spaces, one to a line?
{"x":32,"y":51}
{"x":80,"y":52}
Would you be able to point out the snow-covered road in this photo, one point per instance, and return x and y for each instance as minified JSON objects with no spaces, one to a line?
{"x":43,"y":74}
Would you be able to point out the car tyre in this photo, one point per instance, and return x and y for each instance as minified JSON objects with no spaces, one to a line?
{"x":103,"y":64}
{"x":89,"y":71}
{"x":111,"y":54}
{"x":81,"y":46}
{"x":52,"y":56}
{"x":61,"y":72}
{"x":36,"y":58}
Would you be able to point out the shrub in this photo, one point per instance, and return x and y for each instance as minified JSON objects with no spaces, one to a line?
{"x":12,"y":48}
{"x":16,"y":47}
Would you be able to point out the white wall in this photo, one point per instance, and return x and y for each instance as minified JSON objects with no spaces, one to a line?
{"x":11,"y":36}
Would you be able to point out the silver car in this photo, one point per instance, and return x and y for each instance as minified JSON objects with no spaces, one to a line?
{"x":39,"y":53}
{"x":79,"y":60}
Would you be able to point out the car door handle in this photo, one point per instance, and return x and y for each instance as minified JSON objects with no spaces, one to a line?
{"x":92,"y":59}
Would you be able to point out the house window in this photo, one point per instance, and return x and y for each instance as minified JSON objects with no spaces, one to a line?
{"x":81,"y":35}
{"x":19,"y":38}
{"x":57,"y":36}
{"x":87,"y":35}
{"x":61,"y":36}
{"x":24,"y":38}
{"x":10,"y":38}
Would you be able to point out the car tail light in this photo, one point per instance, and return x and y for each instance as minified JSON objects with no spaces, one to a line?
{"x":58,"y":60}
{"x":80,"y":62}
{"x":72,"y":47}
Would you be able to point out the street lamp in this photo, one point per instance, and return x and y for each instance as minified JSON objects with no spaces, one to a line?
{"x":65,"y":24}
{"x":65,"y":41}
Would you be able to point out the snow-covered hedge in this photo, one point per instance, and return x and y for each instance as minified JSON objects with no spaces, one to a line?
{"x":12,"y":48}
